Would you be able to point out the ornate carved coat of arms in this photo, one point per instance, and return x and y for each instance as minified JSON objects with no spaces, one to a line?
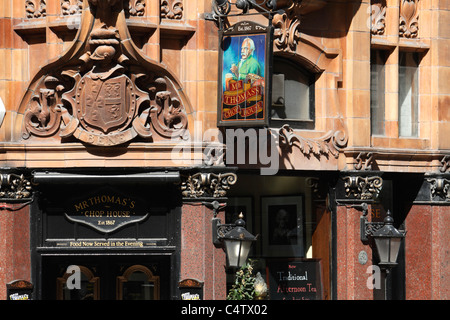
{"x":103,"y":91}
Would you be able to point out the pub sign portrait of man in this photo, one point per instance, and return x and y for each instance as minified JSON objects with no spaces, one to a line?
{"x":243,"y":78}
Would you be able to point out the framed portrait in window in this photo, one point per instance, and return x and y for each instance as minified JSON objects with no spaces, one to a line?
{"x":282,"y":226}
{"x":236,"y":205}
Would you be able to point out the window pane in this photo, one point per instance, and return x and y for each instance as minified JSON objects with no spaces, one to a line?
{"x":138,"y":287}
{"x":291,"y":92}
{"x":377,"y":89}
{"x":408,"y":95}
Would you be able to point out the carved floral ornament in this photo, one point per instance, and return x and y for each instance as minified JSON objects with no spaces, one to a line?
{"x":35,"y":8}
{"x":172,"y":9}
{"x":103,"y":91}
{"x":14,"y":187}
{"x":363,"y":188}
{"x":207,"y":185}
{"x":378,"y":17}
{"x":409,"y":18}
{"x":71,"y":7}
{"x":287,"y":34}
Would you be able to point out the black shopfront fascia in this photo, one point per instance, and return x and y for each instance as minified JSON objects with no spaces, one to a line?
{"x":151,"y":202}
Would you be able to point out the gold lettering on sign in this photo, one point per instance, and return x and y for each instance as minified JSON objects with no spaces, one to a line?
{"x":105,"y":200}
{"x":109,"y":243}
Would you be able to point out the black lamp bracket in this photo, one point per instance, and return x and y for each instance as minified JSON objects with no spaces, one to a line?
{"x":219,"y":230}
{"x":367,"y":228}
{"x":222,"y":8}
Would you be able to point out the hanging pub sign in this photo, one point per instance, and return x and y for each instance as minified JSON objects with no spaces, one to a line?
{"x":245,"y":67}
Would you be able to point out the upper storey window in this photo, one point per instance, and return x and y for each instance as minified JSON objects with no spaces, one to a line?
{"x":408,"y":103}
{"x":292,"y":95}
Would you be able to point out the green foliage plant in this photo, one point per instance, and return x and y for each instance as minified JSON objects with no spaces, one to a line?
{"x":243,"y":287}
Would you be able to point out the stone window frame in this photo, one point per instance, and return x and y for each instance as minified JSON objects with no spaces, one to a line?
{"x":388,"y":34}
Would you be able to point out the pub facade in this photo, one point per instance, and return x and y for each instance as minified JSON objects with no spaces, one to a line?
{"x":129,"y":130}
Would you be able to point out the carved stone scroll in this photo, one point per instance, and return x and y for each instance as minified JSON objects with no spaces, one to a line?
{"x":331,"y":143}
{"x":409,"y":18}
{"x":103,"y":91}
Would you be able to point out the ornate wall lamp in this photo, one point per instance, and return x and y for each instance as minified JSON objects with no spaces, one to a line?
{"x":387,"y":241}
{"x":236,"y":240}
{"x":386,"y":237}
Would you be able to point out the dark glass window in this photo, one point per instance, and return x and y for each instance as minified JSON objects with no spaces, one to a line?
{"x":292,"y":95}
{"x":377,"y":90}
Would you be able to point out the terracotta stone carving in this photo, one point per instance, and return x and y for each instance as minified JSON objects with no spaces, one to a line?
{"x":103,"y":91}
{"x":287,"y":24}
{"x":70,"y":7}
{"x":135,"y":8}
{"x":171,"y":9}
{"x":35,"y":8}
{"x":378,"y":15}
{"x":364,"y":161}
{"x":44,"y":114}
{"x":331,"y":143}
{"x":409,"y":18}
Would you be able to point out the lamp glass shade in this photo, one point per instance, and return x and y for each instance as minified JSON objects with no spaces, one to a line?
{"x":388,"y":249}
{"x":237,"y":252}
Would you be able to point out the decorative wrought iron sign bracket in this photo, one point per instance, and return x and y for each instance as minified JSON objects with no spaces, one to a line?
{"x":222,"y":9}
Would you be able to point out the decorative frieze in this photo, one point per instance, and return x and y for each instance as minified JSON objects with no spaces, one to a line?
{"x":363,"y":188}
{"x":329,"y":144}
{"x":172,"y":9}
{"x":207,"y":185}
{"x":409,"y":18}
{"x":35,"y":8}
{"x":14,"y":187}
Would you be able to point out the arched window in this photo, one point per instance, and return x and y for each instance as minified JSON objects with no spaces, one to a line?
{"x":292,"y":95}
{"x":89,"y":286}
{"x":138,"y":283}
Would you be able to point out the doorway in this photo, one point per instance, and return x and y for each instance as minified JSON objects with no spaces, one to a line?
{"x":106,"y":277}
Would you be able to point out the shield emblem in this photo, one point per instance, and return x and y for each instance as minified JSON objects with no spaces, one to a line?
{"x":106,"y":103}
